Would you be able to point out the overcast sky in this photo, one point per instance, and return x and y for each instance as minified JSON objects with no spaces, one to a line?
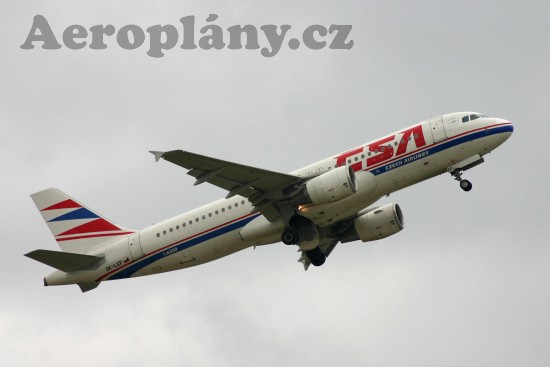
{"x":466,"y":283}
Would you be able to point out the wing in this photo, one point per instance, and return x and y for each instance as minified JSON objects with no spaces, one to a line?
{"x":266,"y":190}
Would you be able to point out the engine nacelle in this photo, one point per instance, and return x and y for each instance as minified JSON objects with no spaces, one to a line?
{"x":329,"y":187}
{"x":379,"y":223}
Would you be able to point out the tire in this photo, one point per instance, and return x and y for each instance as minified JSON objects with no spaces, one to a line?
{"x":290,"y":237}
{"x":465,"y":185}
{"x":316,"y":256}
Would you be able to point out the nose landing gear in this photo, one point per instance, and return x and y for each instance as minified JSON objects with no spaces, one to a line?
{"x":457,"y":169}
{"x":464,"y":184}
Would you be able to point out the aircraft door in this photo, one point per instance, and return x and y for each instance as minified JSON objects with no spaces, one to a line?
{"x":135,"y":246}
{"x":438,"y":130}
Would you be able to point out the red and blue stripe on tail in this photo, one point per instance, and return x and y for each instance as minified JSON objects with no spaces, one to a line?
{"x":75,"y":227}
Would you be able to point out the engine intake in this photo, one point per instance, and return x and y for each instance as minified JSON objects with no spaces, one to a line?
{"x":329,"y":187}
{"x":376,"y":224}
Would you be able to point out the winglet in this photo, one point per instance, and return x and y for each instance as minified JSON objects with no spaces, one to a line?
{"x":158,"y":155}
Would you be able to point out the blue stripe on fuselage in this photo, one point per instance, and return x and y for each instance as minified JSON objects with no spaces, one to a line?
{"x":440,"y":147}
{"x":141,"y":263}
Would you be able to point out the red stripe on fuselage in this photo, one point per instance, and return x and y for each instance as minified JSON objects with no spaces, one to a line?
{"x":433,"y":145}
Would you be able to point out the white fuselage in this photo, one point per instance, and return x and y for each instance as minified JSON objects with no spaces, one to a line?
{"x":382,"y":166}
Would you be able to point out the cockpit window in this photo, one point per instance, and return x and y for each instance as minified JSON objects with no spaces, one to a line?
{"x":473,"y":117}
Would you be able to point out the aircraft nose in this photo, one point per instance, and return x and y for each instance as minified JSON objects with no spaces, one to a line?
{"x":505,"y":129}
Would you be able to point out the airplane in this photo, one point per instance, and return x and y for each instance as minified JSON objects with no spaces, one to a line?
{"x":315,"y":207}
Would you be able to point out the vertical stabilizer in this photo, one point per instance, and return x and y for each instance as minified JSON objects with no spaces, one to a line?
{"x":75,"y":227}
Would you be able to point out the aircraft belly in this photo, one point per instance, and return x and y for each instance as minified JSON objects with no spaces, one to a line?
{"x":201,"y":253}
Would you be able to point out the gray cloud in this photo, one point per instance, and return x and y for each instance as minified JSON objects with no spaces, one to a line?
{"x":466,"y":283}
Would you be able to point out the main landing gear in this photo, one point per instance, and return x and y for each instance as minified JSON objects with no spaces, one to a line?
{"x":290,"y":236}
{"x":464,"y":184}
{"x":302,"y":232}
{"x":316,"y":256}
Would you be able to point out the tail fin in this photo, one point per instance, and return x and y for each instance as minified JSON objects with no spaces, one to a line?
{"x":75,"y":227}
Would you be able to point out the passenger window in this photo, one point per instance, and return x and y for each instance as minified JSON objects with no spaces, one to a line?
{"x":178,"y":227}
{"x":466,"y":119}
{"x":171,"y":229}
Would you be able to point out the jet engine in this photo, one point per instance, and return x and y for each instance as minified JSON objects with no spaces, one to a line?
{"x":329,"y":187}
{"x":376,"y":224}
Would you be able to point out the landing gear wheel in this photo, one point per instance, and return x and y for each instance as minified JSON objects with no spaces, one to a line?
{"x":465,"y":185}
{"x":316,"y":256}
{"x":290,"y":237}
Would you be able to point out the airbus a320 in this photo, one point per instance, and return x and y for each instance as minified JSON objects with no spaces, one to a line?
{"x":315,"y":207}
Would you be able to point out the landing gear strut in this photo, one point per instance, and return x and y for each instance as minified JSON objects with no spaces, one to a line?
{"x":457,"y":169}
{"x":298,"y":229}
{"x":304,"y":233}
{"x":464,"y":184}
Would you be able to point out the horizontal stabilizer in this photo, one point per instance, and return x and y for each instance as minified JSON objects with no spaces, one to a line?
{"x":65,"y":261}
